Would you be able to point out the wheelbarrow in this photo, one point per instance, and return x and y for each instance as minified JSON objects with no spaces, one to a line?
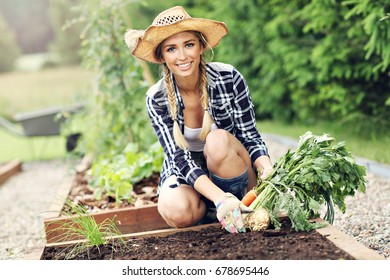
{"x":44,"y":122}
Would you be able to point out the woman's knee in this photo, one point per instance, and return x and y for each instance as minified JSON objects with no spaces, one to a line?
{"x":217,"y":145}
{"x":176,"y":214}
{"x":181,"y":207}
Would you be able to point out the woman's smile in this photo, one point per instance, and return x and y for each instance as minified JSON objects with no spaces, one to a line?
{"x":184,"y":66}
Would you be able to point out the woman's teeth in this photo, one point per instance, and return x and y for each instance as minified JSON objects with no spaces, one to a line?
{"x":184,"y":65}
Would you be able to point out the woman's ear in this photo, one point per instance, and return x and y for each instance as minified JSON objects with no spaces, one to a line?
{"x":162,"y":58}
{"x":202,"y":50}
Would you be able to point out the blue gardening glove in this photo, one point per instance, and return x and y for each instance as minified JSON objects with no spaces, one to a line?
{"x":229,"y":213}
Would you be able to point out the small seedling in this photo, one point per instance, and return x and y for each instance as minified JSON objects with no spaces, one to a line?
{"x":84,"y":226}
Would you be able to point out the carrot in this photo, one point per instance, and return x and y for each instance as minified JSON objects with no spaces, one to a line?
{"x":249,"y":197}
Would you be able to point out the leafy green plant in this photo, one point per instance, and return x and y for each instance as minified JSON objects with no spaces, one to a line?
{"x":316,"y":173}
{"x":115,"y":114}
{"x":84,"y":226}
{"x":115,"y":176}
{"x":386,"y":17}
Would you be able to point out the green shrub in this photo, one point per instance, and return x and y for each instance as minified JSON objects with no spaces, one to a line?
{"x":308,"y":60}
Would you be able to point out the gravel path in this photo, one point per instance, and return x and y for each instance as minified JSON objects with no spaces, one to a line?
{"x":25,"y":199}
{"x":27,"y":196}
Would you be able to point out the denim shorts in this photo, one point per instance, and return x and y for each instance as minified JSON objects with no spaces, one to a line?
{"x":236,"y":185}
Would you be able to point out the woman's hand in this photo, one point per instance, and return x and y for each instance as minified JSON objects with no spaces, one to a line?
{"x":229,"y":213}
{"x":264,"y":167}
{"x":265,"y":172}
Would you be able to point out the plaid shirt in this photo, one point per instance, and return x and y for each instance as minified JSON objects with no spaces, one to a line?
{"x":231,"y":108}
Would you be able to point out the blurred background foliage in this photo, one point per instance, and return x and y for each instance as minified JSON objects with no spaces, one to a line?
{"x":312,"y":60}
{"x":9,"y":49}
{"x":304,"y":61}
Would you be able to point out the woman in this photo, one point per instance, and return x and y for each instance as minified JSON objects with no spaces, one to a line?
{"x":204,"y":119}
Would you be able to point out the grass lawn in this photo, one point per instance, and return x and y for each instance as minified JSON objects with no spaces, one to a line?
{"x":35,"y":90}
{"x":374,"y":149}
{"x":28,"y":149}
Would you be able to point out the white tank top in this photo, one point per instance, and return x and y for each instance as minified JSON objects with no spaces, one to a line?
{"x":191,"y":135}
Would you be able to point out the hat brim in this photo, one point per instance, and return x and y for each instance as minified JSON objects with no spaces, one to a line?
{"x":212,"y":30}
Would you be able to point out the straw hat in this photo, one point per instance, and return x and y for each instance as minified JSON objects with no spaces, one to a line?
{"x":143,"y":43}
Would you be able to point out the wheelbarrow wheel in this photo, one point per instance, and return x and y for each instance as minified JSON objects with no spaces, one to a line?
{"x":71,"y":141}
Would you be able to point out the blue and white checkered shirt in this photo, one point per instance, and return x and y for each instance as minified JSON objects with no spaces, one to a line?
{"x":231,"y":107}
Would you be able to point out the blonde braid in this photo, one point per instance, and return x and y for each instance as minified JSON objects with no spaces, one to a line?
{"x":207,"y":118}
{"x":177,"y":134}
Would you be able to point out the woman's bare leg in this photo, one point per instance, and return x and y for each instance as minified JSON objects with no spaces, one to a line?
{"x":227,"y":157}
{"x":180,"y":206}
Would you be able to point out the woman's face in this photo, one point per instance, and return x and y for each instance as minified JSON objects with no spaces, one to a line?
{"x":181,"y":53}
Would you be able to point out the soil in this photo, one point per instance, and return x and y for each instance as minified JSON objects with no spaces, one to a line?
{"x":211,"y":243}
{"x":144,"y":193}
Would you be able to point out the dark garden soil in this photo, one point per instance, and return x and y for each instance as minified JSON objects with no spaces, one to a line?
{"x":212,"y":243}
{"x":144,"y":193}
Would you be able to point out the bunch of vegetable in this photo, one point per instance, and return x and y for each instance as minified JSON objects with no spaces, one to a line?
{"x":316,"y":173}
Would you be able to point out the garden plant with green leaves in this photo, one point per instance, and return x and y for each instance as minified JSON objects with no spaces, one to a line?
{"x":116,"y":176}
{"x":317,"y":173}
{"x":83,"y":226}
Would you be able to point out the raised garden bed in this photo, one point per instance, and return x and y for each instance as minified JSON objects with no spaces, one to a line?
{"x":141,"y":215}
{"x":147,"y":236}
{"x":128,"y":220}
{"x":9,"y":169}
{"x":211,"y":242}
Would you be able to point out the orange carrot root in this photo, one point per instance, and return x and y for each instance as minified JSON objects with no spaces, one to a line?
{"x":249,"y":197}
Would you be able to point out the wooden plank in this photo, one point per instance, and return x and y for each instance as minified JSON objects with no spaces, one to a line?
{"x":34,"y":253}
{"x":348,"y":244}
{"x":9,"y":169}
{"x":60,"y":198}
{"x":63,"y":192}
{"x":128,"y":220}
{"x":154,"y":233}
{"x":85,"y":163}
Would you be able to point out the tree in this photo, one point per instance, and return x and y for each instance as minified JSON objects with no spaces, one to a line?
{"x":30,"y":23}
{"x":9,"y":50}
{"x":67,"y":30}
